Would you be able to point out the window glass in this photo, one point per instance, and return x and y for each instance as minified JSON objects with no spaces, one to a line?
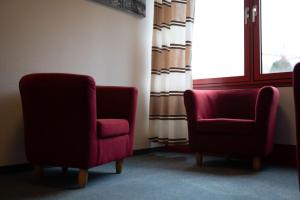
{"x":218,"y":39}
{"x":280,"y":35}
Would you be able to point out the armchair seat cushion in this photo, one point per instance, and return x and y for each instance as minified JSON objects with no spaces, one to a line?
{"x":226,"y":126}
{"x":107,"y":128}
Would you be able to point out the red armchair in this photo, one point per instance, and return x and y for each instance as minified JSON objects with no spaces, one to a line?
{"x":232,"y":122}
{"x":296,"y":84}
{"x":71,"y":122}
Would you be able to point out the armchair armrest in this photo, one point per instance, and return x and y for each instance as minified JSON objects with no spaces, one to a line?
{"x":117,"y":103}
{"x":265,"y":113}
{"x":199,"y":104}
{"x":266,"y":104}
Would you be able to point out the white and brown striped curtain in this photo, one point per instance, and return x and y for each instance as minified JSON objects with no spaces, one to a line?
{"x":171,"y":70}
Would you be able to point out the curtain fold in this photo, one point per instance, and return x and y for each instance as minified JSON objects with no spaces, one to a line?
{"x":171,"y":70}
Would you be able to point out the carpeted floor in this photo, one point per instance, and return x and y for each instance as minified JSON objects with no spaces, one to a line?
{"x":158,"y":176}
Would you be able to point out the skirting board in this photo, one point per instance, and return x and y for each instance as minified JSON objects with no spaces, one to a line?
{"x":148,"y":150}
{"x":16,"y":168}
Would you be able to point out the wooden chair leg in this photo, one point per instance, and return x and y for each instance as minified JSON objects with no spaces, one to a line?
{"x":256,"y":163}
{"x":199,"y":159}
{"x":82,"y":177}
{"x":119,"y":166}
{"x":65,"y":171}
{"x":39,"y":170}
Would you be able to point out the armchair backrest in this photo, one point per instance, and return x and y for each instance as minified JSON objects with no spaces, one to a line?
{"x":236,"y":104}
{"x":256,"y":104}
{"x":206,"y":104}
{"x":59,"y":112}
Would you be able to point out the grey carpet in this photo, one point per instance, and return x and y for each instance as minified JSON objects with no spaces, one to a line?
{"x":159,"y":176}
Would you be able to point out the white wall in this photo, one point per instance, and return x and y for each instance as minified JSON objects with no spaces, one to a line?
{"x":73,"y":36}
{"x":285,"y":125}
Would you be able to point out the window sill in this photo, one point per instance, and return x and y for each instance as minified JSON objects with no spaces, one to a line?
{"x":199,"y":84}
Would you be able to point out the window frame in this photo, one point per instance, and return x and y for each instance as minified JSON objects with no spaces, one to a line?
{"x":252,"y":67}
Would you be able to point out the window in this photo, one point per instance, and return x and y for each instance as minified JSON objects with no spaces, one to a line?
{"x":215,"y":39}
{"x":246,"y":42}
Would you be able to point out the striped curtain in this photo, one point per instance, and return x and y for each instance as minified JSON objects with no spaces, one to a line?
{"x":171,"y":70}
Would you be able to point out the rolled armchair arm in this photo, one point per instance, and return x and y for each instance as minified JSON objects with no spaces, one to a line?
{"x":265,"y":113}
{"x":266,"y":103}
{"x":115,"y":102}
{"x":59,"y":112}
{"x":199,"y":104}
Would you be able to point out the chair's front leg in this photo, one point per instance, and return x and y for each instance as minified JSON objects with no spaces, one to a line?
{"x":119,"y":166}
{"x":83,"y":177}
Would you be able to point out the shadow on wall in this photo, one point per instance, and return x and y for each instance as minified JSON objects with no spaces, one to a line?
{"x":141,"y":74}
{"x":283,"y":125}
{"x":11,"y":130}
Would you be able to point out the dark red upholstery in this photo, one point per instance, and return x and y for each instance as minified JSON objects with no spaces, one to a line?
{"x":232,"y":122}
{"x":62,"y":113}
{"x":107,"y":128}
{"x":296,"y":84}
{"x":225,"y":126}
{"x":118,"y":103}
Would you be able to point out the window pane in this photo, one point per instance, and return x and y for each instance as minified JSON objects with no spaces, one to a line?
{"x":218,"y":39}
{"x":280,"y":35}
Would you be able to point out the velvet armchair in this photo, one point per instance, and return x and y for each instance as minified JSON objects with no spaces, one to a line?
{"x":296,"y":86}
{"x":232,"y":122}
{"x":72,"y":123}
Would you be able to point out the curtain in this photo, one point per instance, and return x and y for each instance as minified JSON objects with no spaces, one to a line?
{"x":170,"y":70}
